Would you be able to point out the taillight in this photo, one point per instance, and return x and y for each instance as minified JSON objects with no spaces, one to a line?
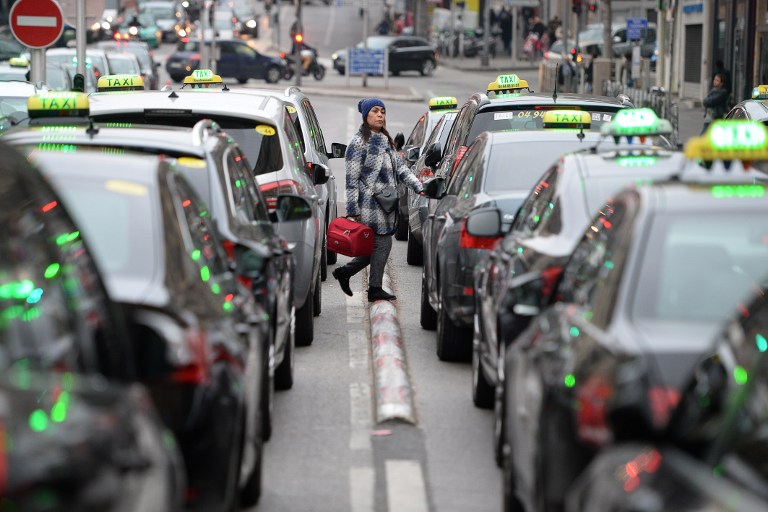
{"x":425,"y":174}
{"x":196,"y":372}
{"x":663,"y":401}
{"x":549,"y":277}
{"x":459,"y":156}
{"x":229,"y":248}
{"x":467,"y":241}
{"x":271,"y":190}
{"x":591,"y":420}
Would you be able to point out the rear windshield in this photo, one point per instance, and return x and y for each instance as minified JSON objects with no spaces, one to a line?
{"x":526,"y":118}
{"x":517,"y":166}
{"x":700,"y":265}
{"x":261,"y":149}
{"x":117,"y":220}
{"x":123,"y":66}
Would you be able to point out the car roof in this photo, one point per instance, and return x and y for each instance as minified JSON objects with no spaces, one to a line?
{"x":134,"y":166}
{"x":756,"y":109}
{"x":150,"y":136}
{"x":219,"y":103}
{"x":546,"y":99}
{"x":608,"y":161}
{"x":18,"y":88}
{"x":510,"y":136}
{"x":701,"y":194}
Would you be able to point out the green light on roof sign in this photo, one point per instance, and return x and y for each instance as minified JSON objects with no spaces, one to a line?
{"x":737,"y":135}
{"x":630,"y":122}
{"x":508,"y":80}
{"x":635,"y":117}
{"x":737,"y":191}
{"x":636,"y":161}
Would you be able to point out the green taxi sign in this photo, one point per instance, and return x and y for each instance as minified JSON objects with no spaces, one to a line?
{"x":730,"y":140}
{"x":505,"y":84}
{"x":636,"y":122}
{"x":443,"y":102}
{"x":737,"y":191}
{"x":58,"y":104}
{"x":508,"y":80}
{"x":203,"y":78}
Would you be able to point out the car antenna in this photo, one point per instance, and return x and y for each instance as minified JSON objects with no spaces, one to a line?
{"x":557,"y":71}
{"x":173,"y":95}
{"x":224,"y":87}
{"x":92,"y":129}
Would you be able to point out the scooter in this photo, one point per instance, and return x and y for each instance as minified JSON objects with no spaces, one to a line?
{"x":315,"y":69}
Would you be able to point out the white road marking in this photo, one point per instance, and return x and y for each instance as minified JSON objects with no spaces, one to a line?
{"x":430,"y":94}
{"x":361,"y":489}
{"x":36,"y":21}
{"x":405,"y":486}
{"x":331,"y":22}
{"x":360,"y":416}
{"x":352,"y":122}
{"x":358,"y":350}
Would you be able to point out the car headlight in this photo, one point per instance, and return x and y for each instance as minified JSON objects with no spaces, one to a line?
{"x":335,"y":56}
{"x":251,"y":24}
{"x":95,"y":26}
{"x":133,"y":31}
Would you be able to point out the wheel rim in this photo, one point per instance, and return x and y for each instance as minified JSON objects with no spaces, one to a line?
{"x":428,"y":67}
{"x":273,"y":74}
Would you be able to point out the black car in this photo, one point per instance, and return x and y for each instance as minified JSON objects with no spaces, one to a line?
{"x":484,"y":178}
{"x":158,"y":248}
{"x":237,"y":60}
{"x":712,"y":456}
{"x":405,"y":53}
{"x":215,"y":167}
{"x":73,"y":417}
{"x":645,"y":290}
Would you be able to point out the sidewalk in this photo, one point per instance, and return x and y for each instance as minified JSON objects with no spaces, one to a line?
{"x":499,"y":63}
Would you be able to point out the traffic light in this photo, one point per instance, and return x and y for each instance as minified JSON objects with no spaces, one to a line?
{"x":592,"y":7}
{"x":576,"y":6}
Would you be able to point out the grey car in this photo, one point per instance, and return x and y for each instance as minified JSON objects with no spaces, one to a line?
{"x":264,"y":131}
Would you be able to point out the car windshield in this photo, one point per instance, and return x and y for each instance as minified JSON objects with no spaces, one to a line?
{"x":730,"y":248}
{"x":123,"y":66}
{"x":377,"y":43}
{"x":517,"y":166}
{"x":528,"y":117}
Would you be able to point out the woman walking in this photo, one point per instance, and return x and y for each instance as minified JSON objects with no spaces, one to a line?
{"x":372,"y":165}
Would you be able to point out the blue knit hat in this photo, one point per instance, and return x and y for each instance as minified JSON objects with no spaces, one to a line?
{"x":365,"y":105}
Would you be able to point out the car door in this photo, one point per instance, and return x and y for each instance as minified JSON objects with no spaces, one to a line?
{"x":228,"y":64}
{"x":252,"y":63}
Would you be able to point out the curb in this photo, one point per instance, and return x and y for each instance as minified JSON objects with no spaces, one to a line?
{"x":392,"y":385}
{"x":475,"y":68}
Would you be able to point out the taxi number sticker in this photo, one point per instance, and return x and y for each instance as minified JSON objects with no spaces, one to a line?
{"x":607,"y":117}
{"x":503,"y":115}
{"x":193,"y":163}
{"x":595,"y":117}
{"x":265,"y":130}
{"x":291,"y":109}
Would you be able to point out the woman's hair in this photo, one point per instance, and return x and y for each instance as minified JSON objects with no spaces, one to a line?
{"x":366,"y":131}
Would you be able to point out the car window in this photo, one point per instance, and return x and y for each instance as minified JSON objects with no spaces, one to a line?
{"x":738,"y":113}
{"x":296,"y":122}
{"x":238,"y":187}
{"x":242,"y":170}
{"x":527,"y":118}
{"x":244,"y":51}
{"x":417,"y":134}
{"x":538,"y":205}
{"x":317,"y":132}
{"x":461,"y":180}
{"x":597,"y":261}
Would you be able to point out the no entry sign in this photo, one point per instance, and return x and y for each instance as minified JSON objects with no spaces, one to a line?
{"x":36,"y":23}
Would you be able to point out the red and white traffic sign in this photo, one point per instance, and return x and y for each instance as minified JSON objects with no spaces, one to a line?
{"x":36,"y":23}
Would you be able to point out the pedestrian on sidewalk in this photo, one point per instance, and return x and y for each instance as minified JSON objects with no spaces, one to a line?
{"x":372,"y":164}
{"x":505,"y":23}
{"x":716,"y":102}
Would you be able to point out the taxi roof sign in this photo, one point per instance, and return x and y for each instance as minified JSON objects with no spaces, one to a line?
{"x":760,"y":92}
{"x":636,"y":122}
{"x":120,"y":83}
{"x":443,"y":102}
{"x":18,"y":62}
{"x":577,"y":119}
{"x":58,"y":104}
{"x":507,"y":83}
{"x":202,"y":78}
{"x":728,"y":140}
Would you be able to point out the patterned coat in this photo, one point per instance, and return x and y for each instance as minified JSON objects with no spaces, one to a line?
{"x":370,"y":168}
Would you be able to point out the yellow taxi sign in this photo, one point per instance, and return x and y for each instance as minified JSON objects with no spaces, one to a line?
{"x":202,"y":78}
{"x":442,"y":102}
{"x":577,"y":119}
{"x":120,"y":83}
{"x":760,"y":92}
{"x":58,"y":104}
{"x":18,"y":62}
{"x":506,"y":84}
{"x":728,"y":140}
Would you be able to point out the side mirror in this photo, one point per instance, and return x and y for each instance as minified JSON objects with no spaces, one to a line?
{"x":412,"y":155}
{"x":433,"y":155}
{"x":338,"y":150}
{"x":292,"y":208}
{"x":485,"y":222}
{"x":320,"y":173}
{"x":399,"y":141}
{"x":435,"y":188}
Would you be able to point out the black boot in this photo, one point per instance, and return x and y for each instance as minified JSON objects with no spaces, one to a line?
{"x":341,"y":274}
{"x":377,"y":293}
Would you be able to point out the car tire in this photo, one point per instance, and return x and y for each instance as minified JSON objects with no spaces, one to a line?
{"x":401,"y":233}
{"x":272,"y":76}
{"x":499,"y":412}
{"x":319,"y":72}
{"x":415,"y":254}
{"x":428,"y":316}
{"x":427,"y":67}
{"x":453,"y":342}
{"x":242,"y":80}
{"x":284,"y":372}
{"x":340,"y":70}
{"x":323,"y":263}
{"x":305,"y":330}
{"x":482,"y":391}
{"x":317,"y":297}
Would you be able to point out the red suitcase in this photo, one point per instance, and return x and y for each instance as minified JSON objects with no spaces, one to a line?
{"x":349,"y":238}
